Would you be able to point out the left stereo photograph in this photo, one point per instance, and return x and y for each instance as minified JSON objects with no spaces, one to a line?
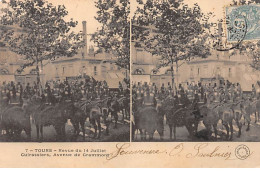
{"x":64,"y":71}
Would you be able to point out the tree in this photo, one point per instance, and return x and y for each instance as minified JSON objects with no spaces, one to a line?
{"x":39,"y":32}
{"x":171,"y":30}
{"x":114,"y":34}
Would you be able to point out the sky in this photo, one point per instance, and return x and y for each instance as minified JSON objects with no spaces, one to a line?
{"x":81,"y":10}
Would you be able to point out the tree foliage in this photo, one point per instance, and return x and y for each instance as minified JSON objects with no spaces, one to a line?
{"x":172,"y":30}
{"x":114,"y":34}
{"x":37,"y":31}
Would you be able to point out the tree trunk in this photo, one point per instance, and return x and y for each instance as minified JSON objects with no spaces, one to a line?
{"x":172,"y":74}
{"x":37,"y":77}
{"x":177,"y":76}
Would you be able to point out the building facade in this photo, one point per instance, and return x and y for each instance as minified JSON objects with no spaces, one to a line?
{"x":101,"y":66}
{"x":235,"y":68}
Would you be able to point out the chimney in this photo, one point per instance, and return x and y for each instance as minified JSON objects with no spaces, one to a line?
{"x":220,"y":33}
{"x":85,"y":49}
{"x":224,"y":54}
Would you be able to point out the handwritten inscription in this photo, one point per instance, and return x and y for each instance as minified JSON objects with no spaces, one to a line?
{"x":200,"y":150}
{"x":216,"y":152}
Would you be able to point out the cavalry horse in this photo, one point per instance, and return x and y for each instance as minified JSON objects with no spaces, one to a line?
{"x":179,"y":115}
{"x":255,"y":105}
{"x":124,"y":106}
{"x":250,"y":107}
{"x":77,"y":117}
{"x":15,"y":119}
{"x":114,"y":108}
{"x":226,"y":112}
{"x":147,"y":120}
{"x":94,"y":110}
{"x":55,"y":116}
{"x":257,"y":112}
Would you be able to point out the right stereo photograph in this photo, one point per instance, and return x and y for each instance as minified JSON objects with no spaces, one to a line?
{"x":195,"y":71}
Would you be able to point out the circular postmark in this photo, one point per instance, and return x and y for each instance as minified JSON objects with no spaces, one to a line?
{"x":242,"y":152}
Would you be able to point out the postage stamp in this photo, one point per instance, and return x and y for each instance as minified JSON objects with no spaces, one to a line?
{"x":243,"y":22}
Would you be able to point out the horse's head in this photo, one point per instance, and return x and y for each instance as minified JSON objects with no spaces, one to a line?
{"x":204,"y":110}
{"x":27,"y":106}
{"x":197,"y":114}
{"x":137,"y":104}
{"x":25,"y":103}
{"x":67,"y":109}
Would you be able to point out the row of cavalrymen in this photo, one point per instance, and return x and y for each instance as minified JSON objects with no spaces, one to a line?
{"x":207,"y":92}
{"x":56,"y":91}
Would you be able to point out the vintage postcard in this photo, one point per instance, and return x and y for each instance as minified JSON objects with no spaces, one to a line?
{"x":129,"y":83}
{"x":62,"y":79}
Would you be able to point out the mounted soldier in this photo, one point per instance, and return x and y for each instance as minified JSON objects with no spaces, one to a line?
{"x":169,"y":89}
{"x":201,"y":91}
{"x":27,"y":91}
{"x":106,"y":88}
{"x":181,"y":89}
{"x":196,"y":92}
{"x":12,"y":94}
{"x":216,"y":92}
{"x":226,"y":90}
{"x":189,"y":91}
{"x":4,"y":98}
{"x":149,"y":98}
{"x":56,"y":90}
{"x":120,"y":86}
{"x":210,"y":90}
{"x":62,"y":91}
{"x":258,"y":90}
{"x":47,"y":93}
{"x":97,"y":91}
{"x":35,"y":88}
{"x":114,"y":108}
{"x":20,"y":92}
{"x":155,"y":89}
{"x":253,"y":94}
{"x":67,"y":91}
{"x":231,"y":92}
{"x":145,"y":87}
{"x":239,"y":91}
{"x":139,"y":91}
{"x":163,"y":89}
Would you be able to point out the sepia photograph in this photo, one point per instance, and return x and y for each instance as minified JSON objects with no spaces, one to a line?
{"x":195,"y":70}
{"x":64,"y":71}
{"x":129,"y":83}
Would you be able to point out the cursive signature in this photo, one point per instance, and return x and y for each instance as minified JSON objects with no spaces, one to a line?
{"x":122,"y":149}
{"x":200,"y":150}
